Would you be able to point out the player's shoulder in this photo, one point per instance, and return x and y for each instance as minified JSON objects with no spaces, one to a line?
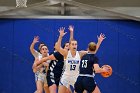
{"x":91,"y":56}
{"x":58,"y":54}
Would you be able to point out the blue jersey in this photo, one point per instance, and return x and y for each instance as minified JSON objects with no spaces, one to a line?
{"x":86,"y":74}
{"x":86,"y":64}
{"x":56,"y":66}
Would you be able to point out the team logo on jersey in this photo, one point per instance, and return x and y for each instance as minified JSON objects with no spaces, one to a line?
{"x":73,"y":61}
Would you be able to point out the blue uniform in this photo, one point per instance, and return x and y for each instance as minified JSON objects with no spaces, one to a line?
{"x":85,"y":80}
{"x":55,"y":69}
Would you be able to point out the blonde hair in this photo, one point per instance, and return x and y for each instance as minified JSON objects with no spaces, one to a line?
{"x":92,"y":46}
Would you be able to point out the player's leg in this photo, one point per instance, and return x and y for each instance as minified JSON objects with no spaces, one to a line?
{"x":97,"y":90}
{"x":63,"y":84}
{"x":68,"y":90}
{"x":39,"y":86}
{"x":53,"y":88}
{"x":39,"y":83}
{"x":52,"y":84}
{"x":62,"y":89}
{"x":46,"y":88}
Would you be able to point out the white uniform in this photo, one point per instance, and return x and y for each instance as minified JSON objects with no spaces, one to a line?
{"x":71,"y":70}
{"x":40,"y":75}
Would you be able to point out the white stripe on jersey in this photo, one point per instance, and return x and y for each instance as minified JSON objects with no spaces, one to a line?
{"x":87,"y":75}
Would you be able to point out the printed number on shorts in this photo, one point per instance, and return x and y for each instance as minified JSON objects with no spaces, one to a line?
{"x":84,"y":63}
{"x":72,"y":67}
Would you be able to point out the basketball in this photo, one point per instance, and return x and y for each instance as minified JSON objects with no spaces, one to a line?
{"x":109,"y":71}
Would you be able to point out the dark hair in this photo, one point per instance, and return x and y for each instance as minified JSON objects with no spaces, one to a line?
{"x":42,"y":46}
{"x":64,"y":44}
{"x":39,"y":47}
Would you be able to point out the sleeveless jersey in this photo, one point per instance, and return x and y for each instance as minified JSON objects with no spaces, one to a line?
{"x":72,"y":64}
{"x":86,"y":65}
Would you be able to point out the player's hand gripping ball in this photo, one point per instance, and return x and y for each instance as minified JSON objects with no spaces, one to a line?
{"x":108,"y":71}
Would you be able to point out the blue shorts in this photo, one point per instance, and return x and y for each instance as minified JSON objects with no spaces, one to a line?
{"x":84,"y":83}
{"x":53,"y":80}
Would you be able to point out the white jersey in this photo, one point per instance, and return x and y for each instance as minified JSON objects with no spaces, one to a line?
{"x":38,"y":56}
{"x":72,"y":64}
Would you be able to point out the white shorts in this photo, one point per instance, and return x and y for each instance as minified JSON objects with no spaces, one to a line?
{"x":40,"y":77}
{"x":67,"y":80}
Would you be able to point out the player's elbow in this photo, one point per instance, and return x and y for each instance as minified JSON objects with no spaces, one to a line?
{"x":57,"y":47}
{"x":32,"y":50}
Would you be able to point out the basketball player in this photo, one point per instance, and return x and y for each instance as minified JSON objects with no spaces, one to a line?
{"x":56,"y":66}
{"x":86,"y":74}
{"x":40,"y":74}
{"x":72,"y":62}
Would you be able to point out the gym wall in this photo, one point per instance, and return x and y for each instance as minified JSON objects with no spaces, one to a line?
{"x":120,"y":50}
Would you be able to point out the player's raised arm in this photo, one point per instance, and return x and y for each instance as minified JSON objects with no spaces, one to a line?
{"x":100,"y":39}
{"x":71,"y":29}
{"x":58,"y":44}
{"x":35,"y":40}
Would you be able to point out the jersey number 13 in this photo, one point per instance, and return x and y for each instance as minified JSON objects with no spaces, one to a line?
{"x":84,"y":63}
